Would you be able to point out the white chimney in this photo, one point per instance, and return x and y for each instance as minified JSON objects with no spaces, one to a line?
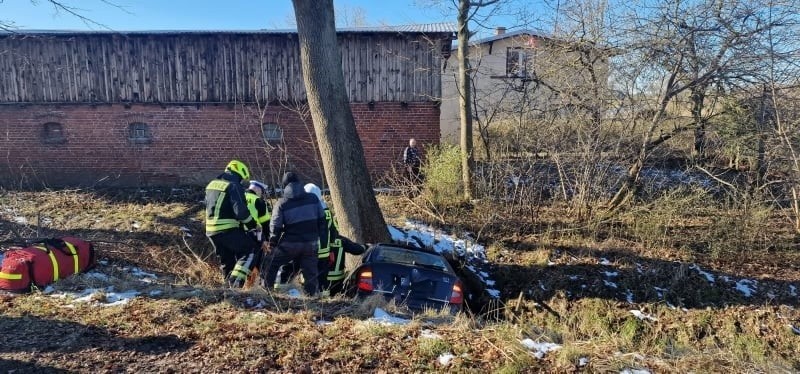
{"x":500,"y":30}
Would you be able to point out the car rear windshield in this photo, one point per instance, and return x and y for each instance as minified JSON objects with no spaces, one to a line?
{"x":408,"y":257}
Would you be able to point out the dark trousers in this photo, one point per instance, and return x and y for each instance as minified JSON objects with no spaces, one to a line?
{"x":323,"y":264}
{"x":303,"y":254}
{"x":231,"y":246}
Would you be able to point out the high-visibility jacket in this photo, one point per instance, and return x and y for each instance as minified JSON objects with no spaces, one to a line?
{"x":340,"y":245}
{"x":259,"y":209}
{"x":226,"y":208}
{"x":333,"y":232}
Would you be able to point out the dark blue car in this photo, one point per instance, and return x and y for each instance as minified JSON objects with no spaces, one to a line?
{"x":411,"y":276}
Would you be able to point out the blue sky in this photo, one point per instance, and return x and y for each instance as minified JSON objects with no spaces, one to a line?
{"x":214,"y":14}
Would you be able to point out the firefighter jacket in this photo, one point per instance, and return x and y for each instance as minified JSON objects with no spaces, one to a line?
{"x":226,"y":208}
{"x":336,"y":272}
{"x":259,"y":209}
{"x":332,"y":232}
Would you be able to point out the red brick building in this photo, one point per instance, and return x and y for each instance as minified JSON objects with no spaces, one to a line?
{"x":168,"y":108}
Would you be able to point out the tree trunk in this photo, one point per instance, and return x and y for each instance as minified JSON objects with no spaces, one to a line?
{"x":357,"y":211}
{"x":466,"y":92}
{"x":698,"y":101}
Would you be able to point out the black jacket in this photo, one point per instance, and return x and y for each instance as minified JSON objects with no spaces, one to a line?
{"x":411,"y":157}
{"x":233,"y":205}
{"x":298,"y":218}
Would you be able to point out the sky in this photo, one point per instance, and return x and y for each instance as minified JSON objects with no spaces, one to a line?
{"x":125,"y":15}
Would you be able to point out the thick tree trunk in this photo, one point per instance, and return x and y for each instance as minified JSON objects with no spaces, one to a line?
{"x":466,"y":91}
{"x":342,"y":154}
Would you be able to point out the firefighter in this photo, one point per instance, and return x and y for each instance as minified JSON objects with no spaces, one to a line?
{"x":259,"y":209}
{"x":324,"y":253}
{"x":227,"y":218}
{"x":336,"y":270}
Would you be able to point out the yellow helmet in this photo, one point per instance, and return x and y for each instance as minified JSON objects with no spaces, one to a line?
{"x":238,"y":167}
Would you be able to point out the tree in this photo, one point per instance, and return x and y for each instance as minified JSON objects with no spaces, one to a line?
{"x":467,"y":9}
{"x":690,"y":47}
{"x":340,"y":147}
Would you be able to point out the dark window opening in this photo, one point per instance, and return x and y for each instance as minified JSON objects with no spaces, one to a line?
{"x":272,"y":132}
{"x":53,"y":133}
{"x":139,"y":133}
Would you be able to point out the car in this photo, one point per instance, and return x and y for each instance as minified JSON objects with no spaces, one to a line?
{"x":412,"y":276}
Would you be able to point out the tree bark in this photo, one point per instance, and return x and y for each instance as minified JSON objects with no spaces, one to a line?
{"x":698,"y":103}
{"x":356,"y":208}
{"x":465,"y":100}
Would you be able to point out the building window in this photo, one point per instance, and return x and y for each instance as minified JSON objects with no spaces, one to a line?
{"x":53,"y":133}
{"x":139,"y":133}
{"x":518,"y":62}
{"x":272,"y":132}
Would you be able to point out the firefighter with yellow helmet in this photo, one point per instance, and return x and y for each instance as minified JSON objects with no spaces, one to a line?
{"x":227,"y":222}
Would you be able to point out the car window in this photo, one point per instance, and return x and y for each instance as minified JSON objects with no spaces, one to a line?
{"x":408,"y":257}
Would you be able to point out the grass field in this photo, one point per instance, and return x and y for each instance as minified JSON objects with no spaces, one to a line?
{"x":672,"y":290}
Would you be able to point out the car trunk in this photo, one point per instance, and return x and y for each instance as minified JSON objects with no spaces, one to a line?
{"x":417,"y":287}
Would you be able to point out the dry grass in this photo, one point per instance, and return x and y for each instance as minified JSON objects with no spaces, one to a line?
{"x":196,"y":325}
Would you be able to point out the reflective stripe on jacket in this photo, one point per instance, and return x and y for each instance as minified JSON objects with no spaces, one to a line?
{"x":226,"y":208}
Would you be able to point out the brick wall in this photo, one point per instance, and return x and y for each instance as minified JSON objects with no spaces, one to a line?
{"x":188,"y":144}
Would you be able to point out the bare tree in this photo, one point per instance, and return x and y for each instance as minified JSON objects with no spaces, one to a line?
{"x":63,"y":6}
{"x":688,"y":47}
{"x":340,"y":147}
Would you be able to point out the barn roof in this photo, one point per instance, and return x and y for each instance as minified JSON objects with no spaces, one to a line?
{"x":429,"y":28}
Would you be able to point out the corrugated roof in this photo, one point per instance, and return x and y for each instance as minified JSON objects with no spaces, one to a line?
{"x":429,"y":28}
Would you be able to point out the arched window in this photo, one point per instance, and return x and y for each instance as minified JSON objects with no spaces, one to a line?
{"x":272,"y":132}
{"x":53,"y":133}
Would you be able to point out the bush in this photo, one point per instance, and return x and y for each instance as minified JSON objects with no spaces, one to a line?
{"x":442,"y":171}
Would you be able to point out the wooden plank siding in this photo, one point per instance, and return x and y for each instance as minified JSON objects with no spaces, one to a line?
{"x":214,"y":67}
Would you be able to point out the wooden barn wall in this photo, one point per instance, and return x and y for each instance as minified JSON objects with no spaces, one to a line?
{"x":188,"y":68}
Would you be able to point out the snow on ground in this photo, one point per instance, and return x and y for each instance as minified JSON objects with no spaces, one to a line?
{"x":609,"y":284}
{"x":428,"y":334}
{"x":136,"y":272}
{"x":610,"y":273}
{"x":539,"y":349}
{"x":792,"y":288}
{"x":467,"y":248}
{"x":21,"y":220}
{"x":709,"y":277}
{"x":634,"y":371}
{"x":294,"y":293}
{"x":746,"y":286}
{"x":100,"y":296}
{"x":385,"y":318}
{"x":583,"y":361}
{"x":604,"y":261}
{"x":445,"y":358}
{"x":629,"y":296}
{"x":643,"y":316}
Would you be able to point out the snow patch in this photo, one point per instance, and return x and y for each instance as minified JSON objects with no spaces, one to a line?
{"x":103,"y":262}
{"x":746,"y":286}
{"x":155,"y":292}
{"x":323,"y":322}
{"x":445,"y":358}
{"x":493,"y":293}
{"x":634,"y":371}
{"x":428,"y":334}
{"x":383,"y":317}
{"x":610,"y":273}
{"x":539,"y":349}
{"x":91,"y":295}
{"x":97,"y":275}
{"x":643,"y":316}
{"x":792,"y":289}
{"x":574,"y":277}
{"x":294,"y":293}
{"x":629,"y":296}
{"x":21,"y":220}
{"x":583,"y":361}
{"x":604,"y":261}
{"x":136,"y":272}
{"x":709,"y":277}
{"x":610,"y":284}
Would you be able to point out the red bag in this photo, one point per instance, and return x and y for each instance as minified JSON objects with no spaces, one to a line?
{"x":44,"y":263}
